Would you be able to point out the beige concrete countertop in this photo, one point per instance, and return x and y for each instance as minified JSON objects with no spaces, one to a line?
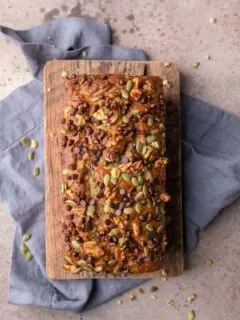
{"x":177,"y":30}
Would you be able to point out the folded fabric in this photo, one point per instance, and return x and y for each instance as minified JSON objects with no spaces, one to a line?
{"x":211,"y":158}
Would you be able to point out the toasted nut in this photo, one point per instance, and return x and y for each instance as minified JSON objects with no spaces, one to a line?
{"x":140,"y":180}
{"x":191,"y":315}
{"x":76,"y":245}
{"x":139,"y":196}
{"x":195,"y":64}
{"x":107,"y":179}
{"x":70,"y":203}
{"x":209,"y":262}
{"x":145,"y":191}
{"x":81,"y":263}
{"x":146,"y":251}
{"x":97,"y":97}
{"x":128,"y":210}
{"x":67,"y":172}
{"x":36,"y":172}
{"x":149,"y":227}
{"x":151,"y":139}
{"x":98,"y":269}
{"x":135,"y":182}
{"x":26,"y":142}
{"x":126,"y":176}
{"x":150,"y":121}
{"x":66,"y":266}
{"x":24,"y":249}
{"x":124,"y":93}
{"x":160,"y":229}
{"x":26,"y":237}
{"x":138,"y":207}
{"x":115,"y":173}
{"x":139,"y":146}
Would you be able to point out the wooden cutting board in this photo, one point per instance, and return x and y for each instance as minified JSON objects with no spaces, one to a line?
{"x":53,"y":107}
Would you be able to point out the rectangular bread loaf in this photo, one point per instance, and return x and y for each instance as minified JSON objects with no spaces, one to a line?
{"x":114,"y":172}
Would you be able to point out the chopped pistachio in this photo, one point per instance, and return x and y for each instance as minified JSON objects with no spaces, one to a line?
{"x":140,"y":180}
{"x":151,"y":139}
{"x":209,"y":262}
{"x":26,"y":237}
{"x":124,"y":93}
{"x":138,"y":207}
{"x":132,"y":297}
{"x":149,"y":227}
{"x":30,"y":155}
{"x":128,"y":210}
{"x":191,"y":315}
{"x":34,"y":144}
{"x":36,"y":172}
{"x":26,"y":142}
{"x":212,"y":20}
{"x":129,"y":85}
{"x":126,"y":176}
{"x":24,"y":249}
{"x":150,"y":121}
{"x":195,"y":64}
{"x":28,"y":256}
{"x":153,"y":288}
{"x":139,"y":196}
{"x":119,"y":301}
{"x":135,"y":182}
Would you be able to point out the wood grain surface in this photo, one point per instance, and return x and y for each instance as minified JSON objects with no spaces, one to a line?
{"x":53,"y":107}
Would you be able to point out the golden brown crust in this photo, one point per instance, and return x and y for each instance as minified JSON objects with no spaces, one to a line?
{"x":113,"y":155}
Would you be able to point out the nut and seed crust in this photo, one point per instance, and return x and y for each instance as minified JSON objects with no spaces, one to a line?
{"x":114,"y":173}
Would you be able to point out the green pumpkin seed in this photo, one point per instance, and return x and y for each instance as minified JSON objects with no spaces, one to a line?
{"x":155,"y":145}
{"x":112,"y":263}
{"x":125,"y":119}
{"x":150,"y":121}
{"x":70,"y":203}
{"x":129,"y":85}
{"x":160,"y":229}
{"x":139,"y":146}
{"x":76,"y":245}
{"x":154,"y":132}
{"x":121,"y":241}
{"x":145,"y":191}
{"x":26,"y":237}
{"x":98,"y":269}
{"x":34,"y":144}
{"x":24,"y":249}
{"x":30,"y":155}
{"x":107,"y":208}
{"x":139,"y":196}
{"x":115,"y":173}
{"x":138,"y":207}
{"x":90,"y":211}
{"x":151,"y":139}
{"x":191,"y":315}
{"x":135,"y":182}
{"x":134,"y":265}
{"x":82,"y":263}
{"x":114,"y":232}
{"x":28,"y":256}
{"x":36,"y":172}
{"x":149,"y":227}
{"x":126,"y":176}
{"x":107,"y":179}
{"x":26,"y":142}
{"x":146,"y":251}
{"x":140,"y":180}
{"x":88,"y":268}
{"x":97,"y":97}
{"x":128,"y":210}
{"x":124,"y":93}
{"x":144,"y":150}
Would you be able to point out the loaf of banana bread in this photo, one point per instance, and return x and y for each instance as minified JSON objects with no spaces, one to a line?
{"x":114,"y":173}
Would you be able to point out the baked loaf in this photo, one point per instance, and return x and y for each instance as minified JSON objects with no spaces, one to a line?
{"x":114,"y":173}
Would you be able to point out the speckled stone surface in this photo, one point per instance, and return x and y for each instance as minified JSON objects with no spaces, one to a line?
{"x":177,"y":30}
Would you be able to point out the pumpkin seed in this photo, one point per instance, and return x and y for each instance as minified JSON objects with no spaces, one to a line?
{"x":28,"y":256}
{"x":24,"y":249}
{"x":154,"y":132}
{"x":145,"y":191}
{"x":36,"y":172}
{"x":66,"y":172}
{"x":138,"y":207}
{"x":135,"y":182}
{"x":149,"y":227}
{"x":146,"y":251}
{"x":64,"y":187}
{"x":139,"y":146}
{"x":121,"y":241}
{"x":160,"y":229}
{"x":155,"y":145}
{"x":139,"y":196}
{"x":125,"y":119}
{"x":26,"y":237}
{"x":34,"y":144}
{"x":97,"y":97}
{"x":151,"y":139}
{"x":70,"y":203}
{"x":126,"y":176}
{"x":153,"y":289}
{"x":141,"y":180}
{"x":98,"y":269}
{"x":129,"y":85}
{"x":115,"y":173}
{"x":90,"y":211}
{"x":82,"y":263}
{"x":26,"y":142}
{"x":89,"y":269}
{"x":191,"y":315}
{"x":107,"y":179}
{"x":144,"y":150}
{"x":112,"y":263}
{"x":150,"y":121}
{"x":30,"y":155}
{"x":66,"y":266}
{"x":209,"y":262}
{"x":107,"y":208}
{"x":113,"y":180}
{"x":124,"y":93}
{"x":114,"y":232}
{"x":76,"y":245}
{"x":128,"y":210}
